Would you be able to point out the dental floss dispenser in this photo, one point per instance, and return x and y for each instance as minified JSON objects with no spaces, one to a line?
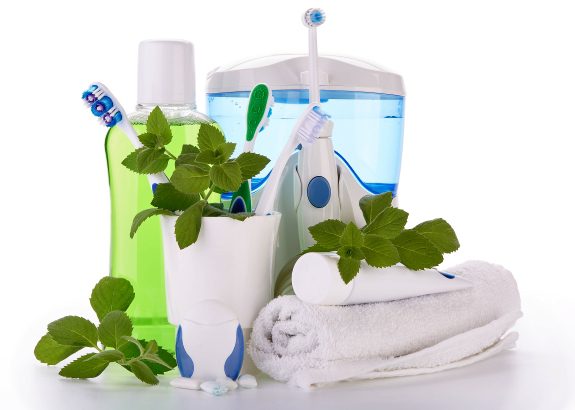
{"x":210,"y":342}
{"x":366,"y":105}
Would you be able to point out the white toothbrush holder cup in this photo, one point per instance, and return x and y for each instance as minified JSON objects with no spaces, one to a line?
{"x":231,"y":262}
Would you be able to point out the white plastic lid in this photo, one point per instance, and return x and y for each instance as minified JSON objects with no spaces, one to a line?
{"x":290,"y":72}
{"x":166,"y":72}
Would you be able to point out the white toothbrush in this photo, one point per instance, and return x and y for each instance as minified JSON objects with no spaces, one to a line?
{"x":317,"y":169}
{"x":105,"y":106}
{"x":313,"y":18}
{"x":305,"y":132}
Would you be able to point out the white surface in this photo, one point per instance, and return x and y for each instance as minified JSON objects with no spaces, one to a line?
{"x":292,"y":72}
{"x":166,"y":72}
{"x":489,"y":143}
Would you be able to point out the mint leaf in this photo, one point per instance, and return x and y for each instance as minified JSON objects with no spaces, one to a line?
{"x":158,"y":124}
{"x":151,"y":359}
{"x":440,"y":234}
{"x":143,"y":372}
{"x":373,"y":205}
{"x":209,"y":137}
{"x":113,"y":327}
{"x":388,"y":223}
{"x":131,"y":161}
{"x":108,"y":356}
{"x":189,"y":149}
{"x":49,"y":351}
{"x":151,"y":161}
{"x":146,"y":160}
{"x":82,"y":368}
{"x":350,"y":252}
{"x":224,"y":151}
{"x":145,"y":214}
{"x":74,"y":331}
{"x":240,"y":216}
{"x":379,"y":252}
{"x":351,"y":236}
{"x":191,"y":179}
{"x":134,"y":342}
{"x":218,"y":156}
{"x":316,"y":248}
{"x":186,"y":159}
{"x":207,"y":157}
{"x":111,"y":294}
{"x":416,"y":251}
{"x":354,"y":252}
{"x":251,"y":164}
{"x":168,"y":362}
{"x":168,"y":197}
{"x":328,"y":233}
{"x":189,"y":224}
{"x":188,"y":155}
{"x":210,"y":210}
{"x":151,"y":348}
{"x":348,"y":268}
{"x":150,"y":140}
{"x":166,"y":357}
{"x":227,"y":176}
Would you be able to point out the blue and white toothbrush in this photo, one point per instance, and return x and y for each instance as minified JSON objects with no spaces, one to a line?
{"x":317,"y":168}
{"x":307,"y":129}
{"x":107,"y":108}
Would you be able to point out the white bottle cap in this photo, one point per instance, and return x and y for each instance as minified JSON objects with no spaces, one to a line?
{"x":166,"y":72}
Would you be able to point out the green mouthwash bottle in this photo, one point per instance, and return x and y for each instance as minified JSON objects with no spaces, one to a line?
{"x":166,"y":79}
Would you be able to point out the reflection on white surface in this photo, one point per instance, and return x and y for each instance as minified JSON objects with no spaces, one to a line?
{"x":513,"y":380}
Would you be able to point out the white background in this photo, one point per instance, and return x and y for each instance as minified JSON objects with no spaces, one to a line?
{"x":489,"y":137}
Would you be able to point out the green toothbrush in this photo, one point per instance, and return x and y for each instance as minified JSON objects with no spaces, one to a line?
{"x":259,"y":110}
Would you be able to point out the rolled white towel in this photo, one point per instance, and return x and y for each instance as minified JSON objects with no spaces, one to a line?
{"x":310,"y":345}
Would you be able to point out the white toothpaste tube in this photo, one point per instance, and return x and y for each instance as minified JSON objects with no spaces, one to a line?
{"x":316,"y":280}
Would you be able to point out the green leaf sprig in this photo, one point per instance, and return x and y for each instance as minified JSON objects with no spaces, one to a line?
{"x":199,"y":172}
{"x":383,"y":241}
{"x":112,"y":339}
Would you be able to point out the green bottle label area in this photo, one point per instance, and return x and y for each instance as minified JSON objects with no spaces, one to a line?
{"x":140,"y":260}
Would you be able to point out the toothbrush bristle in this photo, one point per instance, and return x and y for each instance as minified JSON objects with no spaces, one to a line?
{"x":313,"y":18}
{"x":102,"y":105}
{"x":312,"y":125}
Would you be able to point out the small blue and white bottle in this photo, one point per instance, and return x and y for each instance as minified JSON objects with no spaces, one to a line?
{"x":210,"y":342}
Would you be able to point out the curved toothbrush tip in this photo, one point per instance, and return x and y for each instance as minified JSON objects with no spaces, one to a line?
{"x":313,"y":17}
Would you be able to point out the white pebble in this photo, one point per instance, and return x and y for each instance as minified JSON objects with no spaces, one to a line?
{"x":247,"y":381}
{"x":214,"y":388}
{"x":226,"y":381}
{"x":186,"y":383}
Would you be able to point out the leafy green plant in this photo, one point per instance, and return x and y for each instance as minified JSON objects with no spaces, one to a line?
{"x":112,"y":338}
{"x":199,"y":172}
{"x":383,"y":241}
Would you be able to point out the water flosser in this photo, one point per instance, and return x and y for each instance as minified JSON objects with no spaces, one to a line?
{"x":165,"y":79}
{"x":316,"y":167}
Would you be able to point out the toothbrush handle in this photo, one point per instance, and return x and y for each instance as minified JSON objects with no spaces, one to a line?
{"x":153,"y":179}
{"x":269,"y":193}
{"x":317,"y":170}
{"x":313,"y":70}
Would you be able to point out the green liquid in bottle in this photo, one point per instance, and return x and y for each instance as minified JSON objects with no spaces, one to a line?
{"x":140,"y":260}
